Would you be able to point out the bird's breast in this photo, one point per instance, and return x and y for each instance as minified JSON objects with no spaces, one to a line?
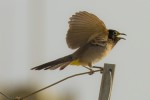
{"x":93,"y":54}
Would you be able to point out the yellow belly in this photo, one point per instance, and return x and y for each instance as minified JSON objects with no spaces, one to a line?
{"x":75,"y":62}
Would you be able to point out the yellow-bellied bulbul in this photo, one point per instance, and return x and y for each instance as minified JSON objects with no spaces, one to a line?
{"x":89,"y":35}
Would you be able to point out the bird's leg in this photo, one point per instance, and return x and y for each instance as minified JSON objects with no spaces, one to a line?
{"x":101,"y":68}
{"x":91,"y":70}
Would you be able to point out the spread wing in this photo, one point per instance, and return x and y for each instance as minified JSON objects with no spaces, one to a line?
{"x":84,"y":27}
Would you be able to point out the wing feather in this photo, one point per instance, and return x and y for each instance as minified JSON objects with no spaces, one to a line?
{"x":84,"y":27}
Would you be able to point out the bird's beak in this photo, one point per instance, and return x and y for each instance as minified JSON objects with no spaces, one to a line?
{"x":122,"y":37}
{"x":123,"y":34}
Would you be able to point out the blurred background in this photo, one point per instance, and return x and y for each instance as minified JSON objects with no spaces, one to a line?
{"x":33,"y":32}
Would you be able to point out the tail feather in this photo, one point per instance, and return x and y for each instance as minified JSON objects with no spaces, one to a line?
{"x":61,"y":62}
{"x":61,"y":66}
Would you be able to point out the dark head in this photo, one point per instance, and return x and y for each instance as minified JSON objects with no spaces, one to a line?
{"x":114,"y":35}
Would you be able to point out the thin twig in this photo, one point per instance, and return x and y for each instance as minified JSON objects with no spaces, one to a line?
{"x":57,"y":83}
{"x":22,"y":98}
{"x":6,"y":96}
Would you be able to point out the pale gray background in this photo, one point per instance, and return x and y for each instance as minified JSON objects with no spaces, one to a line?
{"x":33,"y":32}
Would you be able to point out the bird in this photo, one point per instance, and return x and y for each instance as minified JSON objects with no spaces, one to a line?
{"x":91,"y":39}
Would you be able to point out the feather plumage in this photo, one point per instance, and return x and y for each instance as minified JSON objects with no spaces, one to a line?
{"x":84,"y":27}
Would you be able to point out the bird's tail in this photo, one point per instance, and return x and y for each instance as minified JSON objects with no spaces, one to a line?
{"x":58,"y":63}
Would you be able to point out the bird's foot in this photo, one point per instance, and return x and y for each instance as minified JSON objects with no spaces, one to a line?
{"x":91,"y":72}
{"x":101,"y":68}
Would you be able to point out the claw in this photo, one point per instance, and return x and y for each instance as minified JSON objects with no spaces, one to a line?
{"x":91,"y":72}
{"x":101,"y":68}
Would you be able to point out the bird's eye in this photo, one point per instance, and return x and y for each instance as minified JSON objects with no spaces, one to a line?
{"x":115,"y":33}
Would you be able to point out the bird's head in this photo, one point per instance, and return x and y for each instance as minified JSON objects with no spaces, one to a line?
{"x":115,"y":35}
